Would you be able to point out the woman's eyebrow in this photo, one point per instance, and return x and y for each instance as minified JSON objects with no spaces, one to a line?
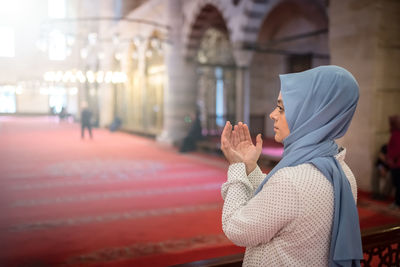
{"x":280,"y":102}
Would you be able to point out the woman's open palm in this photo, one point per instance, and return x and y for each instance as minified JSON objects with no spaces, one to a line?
{"x":237,"y":145}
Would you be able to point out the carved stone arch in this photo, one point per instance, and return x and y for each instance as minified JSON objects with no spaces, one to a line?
{"x":256,"y":11}
{"x":290,"y":37}
{"x":192,"y":30}
{"x":208,"y":46}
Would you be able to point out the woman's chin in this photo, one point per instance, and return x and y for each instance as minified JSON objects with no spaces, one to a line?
{"x":277,"y":139}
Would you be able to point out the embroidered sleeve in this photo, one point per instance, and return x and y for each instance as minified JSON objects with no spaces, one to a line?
{"x":249,"y":221}
{"x":256,"y":177}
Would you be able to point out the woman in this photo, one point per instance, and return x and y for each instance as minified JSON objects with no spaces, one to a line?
{"x":303,"y":213}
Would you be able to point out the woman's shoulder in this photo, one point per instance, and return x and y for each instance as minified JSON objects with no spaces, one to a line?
{"x":294,"y":169}
{"x":308,"y":176}
{"x":340,"y":156}
{"x":302,"y":173}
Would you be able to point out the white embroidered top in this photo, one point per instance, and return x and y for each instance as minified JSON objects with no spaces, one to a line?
{"x":289,"y":222}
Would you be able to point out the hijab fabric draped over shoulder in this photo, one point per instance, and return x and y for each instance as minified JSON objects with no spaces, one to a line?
{"x":319,"y":105}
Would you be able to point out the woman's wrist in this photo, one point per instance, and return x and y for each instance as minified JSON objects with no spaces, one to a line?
{"x":250,"y":167}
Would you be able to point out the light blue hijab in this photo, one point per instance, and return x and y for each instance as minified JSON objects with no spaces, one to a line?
{"x":319,"y":105}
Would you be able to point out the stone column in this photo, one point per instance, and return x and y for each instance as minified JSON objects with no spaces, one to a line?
{"x":105,"y":90}
{"x":364,"y":38}
{"x":243,"y":60}
{"x":180,"y":90}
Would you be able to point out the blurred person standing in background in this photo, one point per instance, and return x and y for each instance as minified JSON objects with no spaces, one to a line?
{"x":86,"y":116}
{"x":393,"y":155}
{"x":381,"y":175}
{"x":194,"y":134}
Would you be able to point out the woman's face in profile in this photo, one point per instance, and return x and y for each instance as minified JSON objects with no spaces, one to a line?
{"x":281,"y":128}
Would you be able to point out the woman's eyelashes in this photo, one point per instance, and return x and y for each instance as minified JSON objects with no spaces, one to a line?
{"x":280,"y":109}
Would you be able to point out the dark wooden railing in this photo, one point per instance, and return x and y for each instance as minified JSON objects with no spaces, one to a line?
{"x":381,"y":247}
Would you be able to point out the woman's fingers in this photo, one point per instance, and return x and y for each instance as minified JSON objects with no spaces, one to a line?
{"x":247,"y":133}
{"x":241,"y":132}
{"x":229,"y":130}
{"x":235,"y":136}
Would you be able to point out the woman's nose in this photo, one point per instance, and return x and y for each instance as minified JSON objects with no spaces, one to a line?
{"x":271,"y":115}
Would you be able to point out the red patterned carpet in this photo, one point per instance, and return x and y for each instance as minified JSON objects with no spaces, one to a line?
{"x":116,"y":200}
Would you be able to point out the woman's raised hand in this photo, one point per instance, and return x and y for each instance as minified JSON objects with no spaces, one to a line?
{"x":237,"y":145}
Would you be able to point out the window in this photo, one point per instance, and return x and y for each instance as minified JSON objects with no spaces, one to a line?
{"x":57,"y":46}
{"x":7,"y":99}
{"x":7,"y":42}
{"x":219,"y":108}
{"x":9,"y":11}
{"x":118,"y":8}
{"x":57,"y":42}
{"x":57,"y":98}
{"x":56,"y":9}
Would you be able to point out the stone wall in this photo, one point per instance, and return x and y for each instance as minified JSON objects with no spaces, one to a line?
{"x":364,"y":38}
{"x":387,"y":91}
